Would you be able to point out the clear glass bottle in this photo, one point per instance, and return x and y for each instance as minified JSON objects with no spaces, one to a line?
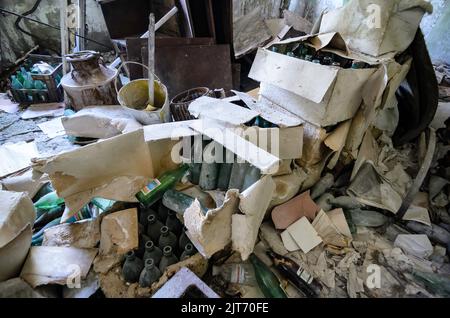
{"x":236,"y":273}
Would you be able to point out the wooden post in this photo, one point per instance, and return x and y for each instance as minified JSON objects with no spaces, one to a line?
{"x":151,"y":60}
{"x":63,"y":25}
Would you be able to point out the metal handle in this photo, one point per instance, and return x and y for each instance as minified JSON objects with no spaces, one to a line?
{"x":131,"y":62}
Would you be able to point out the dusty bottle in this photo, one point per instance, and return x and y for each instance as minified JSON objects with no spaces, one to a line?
{"x":252,"y":175}
{"x":162,"y":212}
{"x":189,"y":250}
{"x":144,"y":214}
{"x":143,"y":239}
{"x":167,"y":238}
{"x":267,"y":281}
{"x":183,"y":240}
{"x":153,"y":252}
{"x":346,"y":202}
{"x":132,"y":268}
{"x":168,"y":258}
{"x":153,"y":227}
{"x":210,"y":169}
{"x":435,"y":283}
{"x":149,"y":274}
{"x":178,"y":201}
{"x":237,"y":175}
{"x":156,"y":188}
{"x":236,"y":273}
{"x":195,"y":166}
{"x":224,"y":176}
{"x":297,"y":275}
{"x":173,"y":223}
{"x":322,"y":186}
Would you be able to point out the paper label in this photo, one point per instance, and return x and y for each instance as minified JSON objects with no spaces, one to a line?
{"x":304,"y":275}
{"x":238,"y":275}
{"x":151,"y":186}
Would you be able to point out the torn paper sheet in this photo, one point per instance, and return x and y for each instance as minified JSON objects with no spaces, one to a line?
{"x":338,"y":219}
{"x":371,"y":189}
{"x":297,"y":22}
{"x":329,"y":232}
{"x":17,"y":156}
{"x":336,"y":141}
{"x":13,"y":254}
{"x":418,"y":214}
{"x":81,"y":234}
{"x":88,"y":287}
{"x":213,"y":108}
{"x":119,"y":232}
{"x":249,"y":32}
{"x":301,"y":235}
{"x":296,"y":208}
{"x":210,"y":233}
{"x":115,"y":169}
{"x":23,"y":183}
{"x":44,"y":110}
{"x":264,"y":161}
{"x":7,"y":105}
{"x":254,"y":202}
{"x":270,"y":111}
{"x":105,"y":121}
{"x":284,"y":143}
{"x":395,"y":32}
{"x":53,"y":128}
{"x":16,"y":212}
{"x":314,"y":149}
{"x":287,"y":186}
{"x":378,"y":92}
{"x":415,"y":244}
{"x":56,"y":265}
{"x":369,"y":186}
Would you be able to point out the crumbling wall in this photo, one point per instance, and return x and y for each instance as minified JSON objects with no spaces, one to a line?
{"x":14,"y":43}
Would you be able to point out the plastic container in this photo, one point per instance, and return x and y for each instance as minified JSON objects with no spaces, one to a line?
{"x":90,"y":82}
{"x":52,"y":94}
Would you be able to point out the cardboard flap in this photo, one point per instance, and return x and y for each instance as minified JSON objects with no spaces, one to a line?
{"x":331,"y":40}
{"x":278,"y":70}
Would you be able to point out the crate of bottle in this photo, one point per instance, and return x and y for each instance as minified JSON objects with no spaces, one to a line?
{"x":314,"y":77}
{"x":40,"y":87}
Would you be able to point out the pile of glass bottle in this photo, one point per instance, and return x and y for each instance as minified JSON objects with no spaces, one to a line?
{"x":162,"y":242}
{"x":305,"y":52}
{"x":26,"y":86}
{"x":235,"y":174}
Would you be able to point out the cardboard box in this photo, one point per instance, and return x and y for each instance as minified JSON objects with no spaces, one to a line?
{"x":320,"y":94}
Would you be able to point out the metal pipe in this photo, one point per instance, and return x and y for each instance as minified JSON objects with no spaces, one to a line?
{"x":151,"y":60}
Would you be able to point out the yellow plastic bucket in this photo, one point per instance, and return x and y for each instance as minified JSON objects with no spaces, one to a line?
{"x":134,"y":95}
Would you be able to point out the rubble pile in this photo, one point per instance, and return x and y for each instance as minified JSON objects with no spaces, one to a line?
{"x":301,"y":189}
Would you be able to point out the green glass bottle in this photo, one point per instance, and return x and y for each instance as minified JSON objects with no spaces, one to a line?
{"x":15,"y":83}
{"x":267,"y":281}
{"x":156,"y":188}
